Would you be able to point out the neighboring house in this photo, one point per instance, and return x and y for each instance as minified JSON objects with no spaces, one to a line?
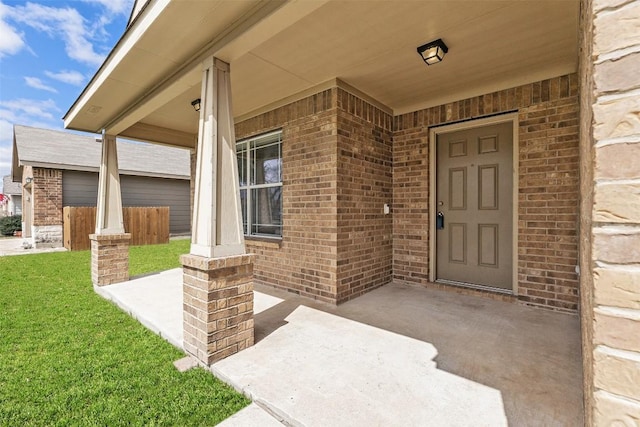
{"x":59,"y":169}
{"x":507,"y":170}
{"x":13,"y":191}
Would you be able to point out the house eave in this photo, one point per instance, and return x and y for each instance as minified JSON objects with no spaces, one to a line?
{"x":153,"y":94}
{"x":141,"y":24}
{"x":298,"y":47}
{"x":84,"y":168}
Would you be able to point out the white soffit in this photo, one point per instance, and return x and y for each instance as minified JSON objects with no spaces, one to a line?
{"x":165,"y":36}
{"x":370,"y":45}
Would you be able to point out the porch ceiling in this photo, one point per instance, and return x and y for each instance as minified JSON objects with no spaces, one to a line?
{"x":279,"y":49}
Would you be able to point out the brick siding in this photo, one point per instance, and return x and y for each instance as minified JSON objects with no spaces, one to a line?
{"x":47,"y":197}
{"x":344,"y":158}
{"x":336,"y":168}
{"x":548,"y":187}
{"x":365,"y":249}
{"x":109,"y":258}
{"x":218,"y":306}
{"x":305,"y":260}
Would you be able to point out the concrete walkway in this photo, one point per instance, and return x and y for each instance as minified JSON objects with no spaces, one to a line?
{"x":400,"y":355}
{"x":14,"y":246}
{"x":155,"y":300}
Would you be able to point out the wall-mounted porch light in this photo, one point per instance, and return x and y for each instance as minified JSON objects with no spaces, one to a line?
{"x":28,"y":180}
{"x":433,"y":52}
{"x":196,"y":104}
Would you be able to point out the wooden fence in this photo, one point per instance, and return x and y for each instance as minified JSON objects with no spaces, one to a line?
{"x":148,"y":226}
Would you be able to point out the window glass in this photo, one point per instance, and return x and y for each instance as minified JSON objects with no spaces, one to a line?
{"x":266,"y":204}
{"x":260,"y":176}
{"x":265,"y":164}
{"x":243,"y":206}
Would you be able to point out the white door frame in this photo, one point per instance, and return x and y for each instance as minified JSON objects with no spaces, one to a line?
{"x":474,"y":123}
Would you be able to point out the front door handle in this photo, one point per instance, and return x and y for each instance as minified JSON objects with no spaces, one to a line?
{"x":440,"y":221}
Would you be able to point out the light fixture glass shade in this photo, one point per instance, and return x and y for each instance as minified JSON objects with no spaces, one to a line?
{"x":196,"y":104}
{"x":433,"y":52}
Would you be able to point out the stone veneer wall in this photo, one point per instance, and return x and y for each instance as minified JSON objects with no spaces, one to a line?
{"x":336,"y":167}
{"x":548,"y":187}
{"x":610,"y":148}
{"x":47,"y":207}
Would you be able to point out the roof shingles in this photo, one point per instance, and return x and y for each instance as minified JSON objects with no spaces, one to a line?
{"x":9,"y":187}
{"x":65,"y":150}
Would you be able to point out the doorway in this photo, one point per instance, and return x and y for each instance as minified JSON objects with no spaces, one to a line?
{"x":473,"y":204}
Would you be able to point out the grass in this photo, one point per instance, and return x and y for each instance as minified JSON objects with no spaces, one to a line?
{"x":148,"y":259}
{"x":68,"y":357}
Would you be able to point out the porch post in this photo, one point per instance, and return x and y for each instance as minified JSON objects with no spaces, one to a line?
{"x":218,"y":275}
{"x":610,"y":219}
{"x":109,"y":243}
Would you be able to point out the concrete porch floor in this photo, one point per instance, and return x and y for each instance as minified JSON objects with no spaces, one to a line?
{"x":399,"y":355}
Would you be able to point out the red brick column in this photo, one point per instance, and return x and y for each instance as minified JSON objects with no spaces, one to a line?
{"x":109,"y":258}
{"x":218,"y":306}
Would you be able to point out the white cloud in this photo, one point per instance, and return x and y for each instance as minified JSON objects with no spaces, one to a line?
{"x":71,"y":77}
{"x":6,"y":132}
{"x":10,"y":39}
{"x":123,"y":7}
{"x":6,"y":152}
{"x":79,"y":34}
{"x":28,"y":112}
{"x":36,"y":83}
{"x":66,"y":23}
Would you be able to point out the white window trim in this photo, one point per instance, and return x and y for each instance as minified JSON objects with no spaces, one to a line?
{"x":249,"y":187}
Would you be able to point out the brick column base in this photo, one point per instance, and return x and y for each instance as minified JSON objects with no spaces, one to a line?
{"x":109,"y":258}
{"x":218,"y":306}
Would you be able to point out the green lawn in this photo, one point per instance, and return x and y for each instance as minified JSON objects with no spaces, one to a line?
{"x":68,"y":357}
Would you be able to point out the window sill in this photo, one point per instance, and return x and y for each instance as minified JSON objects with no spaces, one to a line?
{"x":264,"y":242}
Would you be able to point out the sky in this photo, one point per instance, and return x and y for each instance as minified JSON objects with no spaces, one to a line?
{"x":49,"y":50}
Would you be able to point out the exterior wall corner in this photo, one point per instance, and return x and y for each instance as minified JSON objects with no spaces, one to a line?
{"x":610,"y":220}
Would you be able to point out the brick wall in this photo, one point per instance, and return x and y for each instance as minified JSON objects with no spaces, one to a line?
{"x":47,"y":196}
{"x":305,"y":260}
{"x":548,"y":187}
{"x":610,"y":145}
{"x":343,"y":159}
{"x":364,"y":186}
{"x":336,"y":168}
{"x":218,"y":306}
{"x":109,"y":258}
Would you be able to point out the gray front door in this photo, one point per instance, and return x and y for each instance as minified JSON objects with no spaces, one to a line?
{"x":474,"y":203}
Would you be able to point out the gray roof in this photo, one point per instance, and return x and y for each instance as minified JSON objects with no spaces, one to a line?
{"x":10,"y":187}
{"x":64,"y":150}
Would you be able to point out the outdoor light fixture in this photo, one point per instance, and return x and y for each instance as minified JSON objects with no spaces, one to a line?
{"x":196,"y":104}
{"x":28,"y":180}
{"x":433,"y":52}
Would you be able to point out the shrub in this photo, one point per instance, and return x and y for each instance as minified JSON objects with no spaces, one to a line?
{"x":10,"y":224}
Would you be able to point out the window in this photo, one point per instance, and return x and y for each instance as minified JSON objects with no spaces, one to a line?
{"x":260,"y":171}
